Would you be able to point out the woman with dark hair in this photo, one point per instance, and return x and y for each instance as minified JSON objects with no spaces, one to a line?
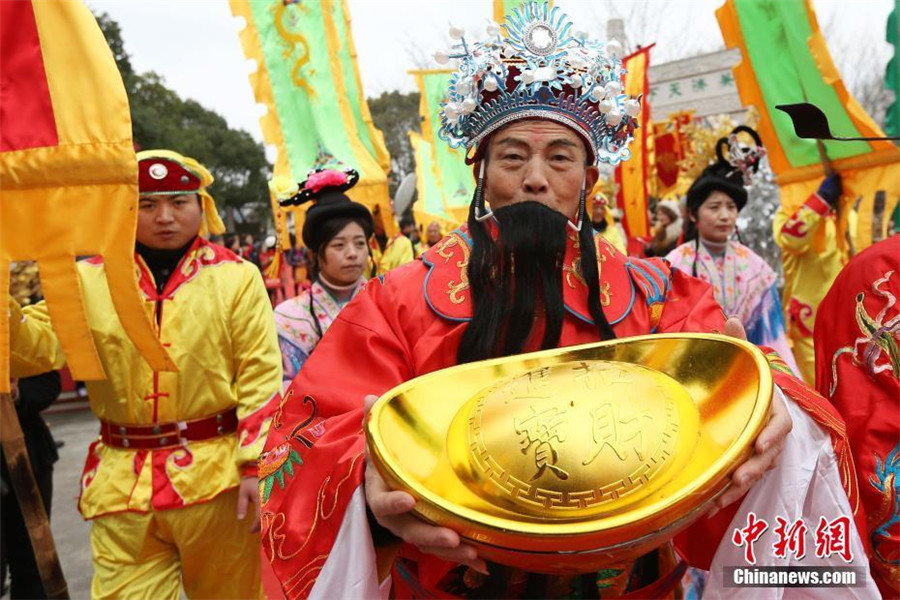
{"x":336,"y":232}
{"x":743,"y":283}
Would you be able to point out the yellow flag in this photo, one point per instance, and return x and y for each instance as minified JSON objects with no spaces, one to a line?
{"x":632,"y":175}
{"x":68,"y":174}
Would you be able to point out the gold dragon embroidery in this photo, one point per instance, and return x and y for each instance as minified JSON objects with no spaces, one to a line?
{"x":574,"y":270}
{"x":454,"y":289}
{"x":293,"y":41}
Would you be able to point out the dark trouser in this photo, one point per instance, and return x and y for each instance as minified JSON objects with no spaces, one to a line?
{"x":15,"y":545}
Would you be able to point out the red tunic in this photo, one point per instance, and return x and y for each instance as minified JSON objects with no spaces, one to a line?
{"x":409,"y":323}
{"x":857,"y":335}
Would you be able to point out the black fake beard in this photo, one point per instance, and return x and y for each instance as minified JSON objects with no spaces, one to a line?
{"x":600,"y":226}
{"x":514,"y":277}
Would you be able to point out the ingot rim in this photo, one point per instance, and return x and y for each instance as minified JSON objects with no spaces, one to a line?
{"x":678,"y":524}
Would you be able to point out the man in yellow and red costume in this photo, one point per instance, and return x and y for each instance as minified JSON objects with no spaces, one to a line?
{"x":812,"y":258}
{"x":389,"y":252}
{"x":527,"y":272}
{"x":171,"y":482}
{"x":603,"y":222}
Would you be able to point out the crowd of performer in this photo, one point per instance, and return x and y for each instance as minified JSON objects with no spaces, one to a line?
{"x":191,"y":491}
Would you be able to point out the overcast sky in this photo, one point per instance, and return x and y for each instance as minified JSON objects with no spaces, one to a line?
{"x":194,"y":44}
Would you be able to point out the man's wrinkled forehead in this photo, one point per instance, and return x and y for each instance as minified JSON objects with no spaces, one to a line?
{"x":521,"y":140}
{"x":526,"y":133}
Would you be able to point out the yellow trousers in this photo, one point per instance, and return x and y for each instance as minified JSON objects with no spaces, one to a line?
{"x":804,"y":354}
{"x":202,"y":547}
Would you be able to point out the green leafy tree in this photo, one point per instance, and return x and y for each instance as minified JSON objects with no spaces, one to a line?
{"x":162,"y":119}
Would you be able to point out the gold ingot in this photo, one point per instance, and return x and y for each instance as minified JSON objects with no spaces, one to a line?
{"x":579,"y":458}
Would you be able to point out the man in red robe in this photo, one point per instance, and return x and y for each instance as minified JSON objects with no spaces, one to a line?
{"x":529,"y":274}
{"x":857,"y":337}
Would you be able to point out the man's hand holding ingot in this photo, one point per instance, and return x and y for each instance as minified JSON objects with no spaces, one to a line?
{"x":391,"y":508}
{"x":768,"y":444}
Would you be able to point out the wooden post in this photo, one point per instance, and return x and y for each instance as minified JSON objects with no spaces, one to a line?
{"x":26,"y":490}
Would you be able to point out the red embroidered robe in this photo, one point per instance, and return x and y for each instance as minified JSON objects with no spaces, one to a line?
{"x":409,"y":323}
{"x":857,"y":337}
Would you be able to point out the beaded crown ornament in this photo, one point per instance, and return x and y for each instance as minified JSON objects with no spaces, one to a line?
{"x":542,"y":69}
{"x":745,"y":159}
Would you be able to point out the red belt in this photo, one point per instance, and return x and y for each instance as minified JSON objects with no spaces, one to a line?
{"x":168,"y":435}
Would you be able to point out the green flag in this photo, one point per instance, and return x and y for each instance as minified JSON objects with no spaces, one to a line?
{"x":429,"y":204}
{"x":308,"y":78}
{"x":451,"y":176}
{"x":892,"y":74}
{"x":785,"y":60}
{"x":506,"y":7}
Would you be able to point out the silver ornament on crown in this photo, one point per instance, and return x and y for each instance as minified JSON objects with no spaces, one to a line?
{"x":544,"y":68}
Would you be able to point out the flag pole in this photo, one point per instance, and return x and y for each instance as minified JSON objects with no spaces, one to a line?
{"x":35,"y":516}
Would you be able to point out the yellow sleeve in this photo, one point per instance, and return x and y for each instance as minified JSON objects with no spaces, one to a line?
{"x":257,"y":365}
{"x":406,"y":253}
{"x":373,"y":265}
{"x":34,"y":347}
{"x":794,"y":232}
{"x":614,"y":237}
{"x":398,"y":251}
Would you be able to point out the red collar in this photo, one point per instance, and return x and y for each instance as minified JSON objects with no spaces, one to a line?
{"x":447,"y":283}
{"x":201,"y":254}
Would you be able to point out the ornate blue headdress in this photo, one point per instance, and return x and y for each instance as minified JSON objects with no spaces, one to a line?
{"x":542,"y":69}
